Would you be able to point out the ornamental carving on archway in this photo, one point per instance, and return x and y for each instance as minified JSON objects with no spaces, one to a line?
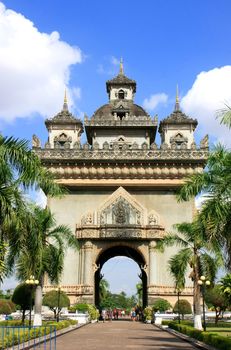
{"x":121,"y":216}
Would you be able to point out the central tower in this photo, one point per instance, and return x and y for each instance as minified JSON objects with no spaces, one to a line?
{"x":122,"y":186}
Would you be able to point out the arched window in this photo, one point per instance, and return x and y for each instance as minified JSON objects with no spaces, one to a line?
{"x":121,"y":94}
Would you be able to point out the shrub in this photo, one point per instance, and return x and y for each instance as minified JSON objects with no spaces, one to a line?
{"x":161,"y":305}
{"x":6,"y":306}
{"x":148,"y":313}
{"x":56,"y":300}
{"x":93,"y":312}
{"x":209,"y":338}
{"x":79,"y":307}
{"x":182,"y":308}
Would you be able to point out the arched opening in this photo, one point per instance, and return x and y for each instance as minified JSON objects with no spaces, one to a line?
{"x":121,"y":95}
{"x":124,"y":251}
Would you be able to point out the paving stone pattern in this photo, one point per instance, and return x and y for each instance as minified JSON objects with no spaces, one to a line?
{"x":120,"y":335}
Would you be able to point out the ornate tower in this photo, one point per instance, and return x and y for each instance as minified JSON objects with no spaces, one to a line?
{"x":122,"y":185}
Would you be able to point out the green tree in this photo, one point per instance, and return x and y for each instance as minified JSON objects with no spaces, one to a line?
{"x":139,"y":292}
{"x":22,"y":297}
{"x":215,"y":184}
{"x":194,"y":254}
{"x":56,"y":300}
{"x":103,"y":288}
{"x":215,"y":298}
{"x":20,"y":169}
{"x":42,"y":251}
{"x":225,"y":287}
{"x":161,"y":305}
{"x":182,"y":307}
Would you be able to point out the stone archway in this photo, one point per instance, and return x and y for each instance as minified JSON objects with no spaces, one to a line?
{"x":121,"y":223}
{"x":120,"y":249}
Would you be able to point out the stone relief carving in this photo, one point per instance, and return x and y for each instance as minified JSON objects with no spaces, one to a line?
{"x":123,"y":233}
{"x":204,"y":142}
{"x":36,"y":142}
{"x":86,"y":146}
{"x":120,"y":217}
{"x":77,"y":145}
{"x":87,"y":219}
{"x":164,"y":146}
{"x":120,"y":212}
{"x":121,"y":208}
{"x":106,"y":146}
{"x":152,"y":220}
{"x":134,"y":153}
{"x":153,"y":146}
{"x":62,"y":141}
{"x":178,"y":141}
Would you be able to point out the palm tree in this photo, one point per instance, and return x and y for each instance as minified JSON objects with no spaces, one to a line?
{"x":225,"y":115}
{"x":215,"y":184}
{"x":194,"y":255}
{"x":43,"y":245}
{"x":20,"y":169}
{"x":225,"y":287}
{"x":103,"y":288}
{"x":139,"y":292}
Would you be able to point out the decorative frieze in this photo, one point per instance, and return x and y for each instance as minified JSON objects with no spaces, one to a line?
{"x":70,"y":289}
{"x":168,"y":290}
{"x":123,"y":171}
{"x":124,"y":232}
{"x":151,"y":154}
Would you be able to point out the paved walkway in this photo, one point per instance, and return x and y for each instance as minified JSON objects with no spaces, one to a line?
{"x":120,"y":335}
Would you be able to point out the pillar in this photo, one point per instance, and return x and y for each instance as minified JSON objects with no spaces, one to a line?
{"x":152,"y":263}
{"x":88,"y":276}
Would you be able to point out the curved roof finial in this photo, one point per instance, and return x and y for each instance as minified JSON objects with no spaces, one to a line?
{"x":177,"y":104}
{"x":65,"y":106}
{"x":121,"y":66}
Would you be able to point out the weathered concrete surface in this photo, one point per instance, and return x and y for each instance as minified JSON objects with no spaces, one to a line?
{"x":120,"y":335}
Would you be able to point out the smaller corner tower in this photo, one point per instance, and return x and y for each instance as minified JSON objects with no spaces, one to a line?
{"x":64,"y":129}
{"x":177,"y":130}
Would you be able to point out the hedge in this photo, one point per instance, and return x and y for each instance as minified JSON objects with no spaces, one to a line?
{"x":16,"y":338}
{"x":209,"y":338}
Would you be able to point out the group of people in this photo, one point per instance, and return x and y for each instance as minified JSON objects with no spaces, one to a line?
{"x":112,"y":314}
{"x":136,"y":314}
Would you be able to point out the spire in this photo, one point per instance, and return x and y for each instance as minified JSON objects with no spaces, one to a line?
{"x":177,"y":104}
{"x":121,"y":66}
{"x":65,"y":105}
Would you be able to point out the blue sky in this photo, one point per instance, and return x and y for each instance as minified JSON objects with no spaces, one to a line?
{"x":46,"y":46}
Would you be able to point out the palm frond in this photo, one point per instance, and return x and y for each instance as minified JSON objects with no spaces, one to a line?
{"x":170,"y":240}
{"x":178,"y":265}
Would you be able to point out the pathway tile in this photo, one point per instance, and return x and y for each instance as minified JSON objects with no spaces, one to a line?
{"x":120,"y":335}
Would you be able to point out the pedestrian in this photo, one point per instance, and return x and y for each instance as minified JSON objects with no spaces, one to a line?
{"x":103,"y":315}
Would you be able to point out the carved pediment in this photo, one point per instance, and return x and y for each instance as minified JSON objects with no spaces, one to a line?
{"x":121,"y":216}
{"x":121,"y":209}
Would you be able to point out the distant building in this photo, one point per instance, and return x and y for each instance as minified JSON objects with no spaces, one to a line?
{"x":122,"y":185}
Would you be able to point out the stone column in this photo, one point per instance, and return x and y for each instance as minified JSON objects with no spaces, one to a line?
{"x":153,"y":269}
{"x":88,"y":263}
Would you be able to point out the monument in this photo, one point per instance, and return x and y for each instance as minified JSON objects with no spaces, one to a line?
{"x":122,"y":187}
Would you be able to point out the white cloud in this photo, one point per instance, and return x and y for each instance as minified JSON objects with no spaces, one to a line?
{"x":207,"y":96}
{"x":34,"y":67}
{"x":40,"y":199}
{"x":154,"y":100}
{"x":109,"y":67}
{"x":115,"y":61}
